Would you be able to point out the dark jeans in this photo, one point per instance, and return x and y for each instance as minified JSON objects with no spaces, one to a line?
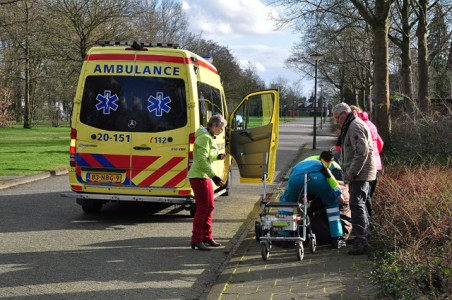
{"x":373,"y":186}
{"x":359,"y":191}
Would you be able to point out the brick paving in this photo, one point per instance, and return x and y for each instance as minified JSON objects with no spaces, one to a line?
{"x":326,"y":274}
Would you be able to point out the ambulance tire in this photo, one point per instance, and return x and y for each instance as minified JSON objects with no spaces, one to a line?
{"x":92,"y":208}
{"x":192,"y":210}
{"x":228,"y":185}
{"x":153,"y":208}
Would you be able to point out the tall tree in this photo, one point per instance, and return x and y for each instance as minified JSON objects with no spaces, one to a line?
{"x":75,"y":26}
{"x":403,"y":22}
{"x":438,"y":44}
{"x":159,"y":21}
{"x":237,"y":80}
{"x":421,"y":33}
{"x":377,"y":16}
{"x":83,"y":22}
{"x":22,"y":23}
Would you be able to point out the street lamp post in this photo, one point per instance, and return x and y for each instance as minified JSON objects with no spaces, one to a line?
{"x":315,"y":57}
{"x":321,"y":105}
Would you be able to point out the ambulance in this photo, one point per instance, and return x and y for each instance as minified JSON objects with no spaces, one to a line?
{"x":136,"y":110}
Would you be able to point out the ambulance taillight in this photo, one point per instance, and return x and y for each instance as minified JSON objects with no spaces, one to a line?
{"x":191,"y":139}
{"x":72,"y":149}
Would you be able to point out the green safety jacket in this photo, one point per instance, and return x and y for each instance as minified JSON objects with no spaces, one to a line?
{"x":205,"y":152}
{"x":327,"y":173}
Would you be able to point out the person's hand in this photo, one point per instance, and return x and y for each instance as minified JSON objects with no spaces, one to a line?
{"x":222,"y":156}
{"x":217,"y":180}
{"x":349,"y":177}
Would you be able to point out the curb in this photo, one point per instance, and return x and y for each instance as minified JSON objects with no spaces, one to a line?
{"x":12,"y":181}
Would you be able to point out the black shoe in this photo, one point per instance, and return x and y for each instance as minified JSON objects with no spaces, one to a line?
{"x":200,"y":246}
{"x":359,"y":249}
{"x":212,"y":243}
{"x":338,"y":243}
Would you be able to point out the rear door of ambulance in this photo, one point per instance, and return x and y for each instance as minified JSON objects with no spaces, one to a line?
{"x":133,"y":132}
{"x":254,"y":132}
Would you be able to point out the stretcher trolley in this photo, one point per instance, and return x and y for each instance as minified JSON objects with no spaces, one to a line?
{"x":285,"y":222}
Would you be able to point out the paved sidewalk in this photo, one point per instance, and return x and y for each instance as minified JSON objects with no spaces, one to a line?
{"x":326,"y":274}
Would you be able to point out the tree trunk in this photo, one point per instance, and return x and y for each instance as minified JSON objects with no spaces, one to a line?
{"x":421,"y":33}
{"x":449,"y":67}
{"x":27,"y":109}
{"x":27,"y":104}
{"x":381,"y":80}
{"x":407,"y":80}
{"x":379,"y":21}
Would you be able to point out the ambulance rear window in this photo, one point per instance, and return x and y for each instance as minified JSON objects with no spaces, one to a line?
{"x":134,"y":103}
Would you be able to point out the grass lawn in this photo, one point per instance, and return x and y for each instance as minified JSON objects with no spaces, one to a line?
{"x":31,"y":151}
{"x":42,"y":148}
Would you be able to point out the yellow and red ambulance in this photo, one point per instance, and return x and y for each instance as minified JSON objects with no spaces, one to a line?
{"x":136,"y":109}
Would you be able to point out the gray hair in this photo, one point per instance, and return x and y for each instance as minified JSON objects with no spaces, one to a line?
{"x":217,"y":120}
{"x":341,"y":107}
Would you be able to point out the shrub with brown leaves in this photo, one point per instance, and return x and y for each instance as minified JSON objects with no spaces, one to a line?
{"x":413,"y":221}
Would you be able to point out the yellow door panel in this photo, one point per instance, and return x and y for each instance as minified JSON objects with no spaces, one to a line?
{"x":253,"y":131}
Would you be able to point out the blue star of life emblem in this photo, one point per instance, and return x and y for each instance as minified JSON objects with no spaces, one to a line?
{"x":107,"y":102}
{"x":159,"y":104}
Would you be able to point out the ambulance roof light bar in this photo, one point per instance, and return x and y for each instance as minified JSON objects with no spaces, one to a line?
{"x":137,"y":45}
{"x":209,"y":58}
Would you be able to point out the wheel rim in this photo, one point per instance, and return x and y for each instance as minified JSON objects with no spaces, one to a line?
{"x":300,"y":251}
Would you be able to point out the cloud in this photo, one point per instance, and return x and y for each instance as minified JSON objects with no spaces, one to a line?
{"x":246,"y":28}
{"x":229,"y":19}
{"x":244,"y":64}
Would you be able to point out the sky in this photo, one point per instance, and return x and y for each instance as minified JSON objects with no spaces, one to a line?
{"x":245,"y":28}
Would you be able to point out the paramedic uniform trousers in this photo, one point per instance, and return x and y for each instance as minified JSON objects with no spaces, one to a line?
{"x":204,"y":198}
{"x":319,"y":187}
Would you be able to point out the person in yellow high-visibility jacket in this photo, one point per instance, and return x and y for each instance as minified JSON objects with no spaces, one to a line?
{"x":321,"y":184}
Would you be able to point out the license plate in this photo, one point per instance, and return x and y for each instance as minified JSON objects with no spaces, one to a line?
{"x":104,"y":177}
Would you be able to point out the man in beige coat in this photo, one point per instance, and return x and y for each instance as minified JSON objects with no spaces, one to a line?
{"x":359,"y":165}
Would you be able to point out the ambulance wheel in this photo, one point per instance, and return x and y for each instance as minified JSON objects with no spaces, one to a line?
{"x":264,"y":252}
{"x":93,"y":208}
{"x":228,"y":185}
{"x":300,"y":251}
{"x":258,"y":230}
{"x":312,"y":244}
{"x":192,"y":210}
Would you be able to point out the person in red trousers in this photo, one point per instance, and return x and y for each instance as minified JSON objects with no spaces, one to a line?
{"x":201,"y":175}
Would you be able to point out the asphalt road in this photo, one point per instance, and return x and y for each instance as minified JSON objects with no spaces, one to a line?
{"x":50,"y":249}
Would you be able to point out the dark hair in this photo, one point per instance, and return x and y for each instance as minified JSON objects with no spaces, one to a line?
{"x":327,"y":155}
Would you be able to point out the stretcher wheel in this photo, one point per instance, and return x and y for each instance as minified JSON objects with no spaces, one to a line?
{"x":312,"y":244}
{"x":300,"y":251}
{"x":265,"y":252}
{"x":258,"y":230}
